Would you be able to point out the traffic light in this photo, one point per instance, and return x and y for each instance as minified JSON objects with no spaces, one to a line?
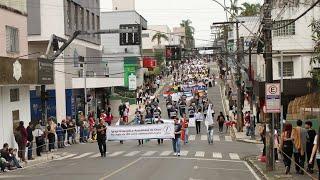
{"x":81,"y":61}
{"x":260,"y":47}
{"x":44,"y":95}
{"x":133,"y":38}
{"x":173,"y":53}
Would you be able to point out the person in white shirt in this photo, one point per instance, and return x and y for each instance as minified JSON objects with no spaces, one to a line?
{"x":316,"y":151}
{"x":39,"y":137}
{"x":199,"y":118}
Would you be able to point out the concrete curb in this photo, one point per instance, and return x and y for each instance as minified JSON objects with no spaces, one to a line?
{"x":250,"y":141}
{"x":256,"y":168}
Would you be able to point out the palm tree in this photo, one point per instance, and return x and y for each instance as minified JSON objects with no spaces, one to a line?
{"x":189,"y":32}
{"x":158,"y":36}
{"x":250,"y":9}
{"x":234,"y":9}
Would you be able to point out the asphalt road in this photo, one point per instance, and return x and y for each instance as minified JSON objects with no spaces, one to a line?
{"x":198,"y":161}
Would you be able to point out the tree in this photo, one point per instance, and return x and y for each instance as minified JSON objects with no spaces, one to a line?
{"x":158,"y":36}
{"x":250,"y":9}
{"x":189,"y":32}
{"x":315,"y":72}
{"x":234,"y":9}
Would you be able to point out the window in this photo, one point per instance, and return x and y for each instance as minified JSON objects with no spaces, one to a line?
{"x":285,"y":31}
{"x":88,"y":20}
{"x":93,"y":22}
{"x":69,"y":15}
{"x":12,"y":39}
{"x":82,"y":18}
{"x":287,"y":68}
{"x":14,"y":95}
{"x":76,"y":17}
{"x":146,"y":35}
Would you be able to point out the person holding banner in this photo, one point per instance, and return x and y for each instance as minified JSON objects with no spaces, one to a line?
{"x":102,"y":137}
{"x":177,"y":136}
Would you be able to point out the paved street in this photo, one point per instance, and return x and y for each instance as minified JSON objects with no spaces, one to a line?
{"x":198,"y":160}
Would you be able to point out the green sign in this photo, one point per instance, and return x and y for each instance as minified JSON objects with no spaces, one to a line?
{"x":130,"y":67}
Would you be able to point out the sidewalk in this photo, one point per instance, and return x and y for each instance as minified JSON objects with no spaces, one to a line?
{"x":279,"y":171}
{"x":241,"y":136}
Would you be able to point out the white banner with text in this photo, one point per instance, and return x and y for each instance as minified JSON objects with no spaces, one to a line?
{"x":152,"y":131}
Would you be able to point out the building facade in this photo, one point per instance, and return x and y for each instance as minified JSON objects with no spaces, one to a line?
{"x":14,"y":97}
{"x":294,"y":45}
{"x":66,"y":98}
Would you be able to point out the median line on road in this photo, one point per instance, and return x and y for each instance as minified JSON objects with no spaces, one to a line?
{"x":120,"y":169}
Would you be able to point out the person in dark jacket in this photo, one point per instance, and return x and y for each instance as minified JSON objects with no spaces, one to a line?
{"x":21,"y":137}
{"x":59,"y":132}
{"x":30,"y":139}
{"x":311,"y":135}
{"x":102,"y":137}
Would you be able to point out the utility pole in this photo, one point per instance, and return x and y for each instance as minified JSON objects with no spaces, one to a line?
{"x":267,"y":28}
{"x":238,"y":83}
{"x":252,"y":120}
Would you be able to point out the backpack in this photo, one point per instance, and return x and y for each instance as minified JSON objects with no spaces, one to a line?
{"x":18,"y":136}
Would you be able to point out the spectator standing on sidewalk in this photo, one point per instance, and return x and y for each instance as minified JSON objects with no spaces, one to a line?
{"x":316,"y":152}
{"x":299,"y":136}
{"x":65,"y":128}
{"x":59,"y":132}
{"x":21,"y":136}
{"x":30,"y":140}
{"x":39,"y":136}
{"x":311,"y":136}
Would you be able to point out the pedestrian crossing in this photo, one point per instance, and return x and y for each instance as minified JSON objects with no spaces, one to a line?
{"x":203,"y":137}
{"x":183,"y":153}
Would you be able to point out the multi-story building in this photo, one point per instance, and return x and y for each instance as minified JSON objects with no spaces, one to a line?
{"x":294,"y":45}
{"x":17,"y":71}
{"x":150,"y":46}
{"x":62,"y":18}
{"x":123,"y":51}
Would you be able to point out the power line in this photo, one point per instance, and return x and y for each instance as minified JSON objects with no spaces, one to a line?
{"x":297,"y":18}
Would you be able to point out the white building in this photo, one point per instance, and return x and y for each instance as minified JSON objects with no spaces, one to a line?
{"x":148,"y":34}
{"x":294,"y":41}
{"x":14,"y":91}
{"x":62,"y":18}
{"x":123,"y":56}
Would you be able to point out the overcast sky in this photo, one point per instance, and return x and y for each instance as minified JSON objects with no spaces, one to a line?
{"x":170,"y":12}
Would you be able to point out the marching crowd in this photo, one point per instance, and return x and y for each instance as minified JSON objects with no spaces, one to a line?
{"x":187,"y":104}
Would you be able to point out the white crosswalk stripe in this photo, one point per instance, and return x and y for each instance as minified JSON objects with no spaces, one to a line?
{"x":228,"y":138}
{"x":66,"y":157}
{"x":133,"y":153}
{"x":149,"y":153}
{"x":184,"y":153}
{"x":165,"y":153}
{"x":216,"y":155}
{"x":199,"y":154}
{"x":216,"y":138}
{"x":203,"y":137}
{"x":82,"y":155}
{"x":192,"y":137}
{"x":96,"y":155}
{"x":234,"y":156}
{"x":116,"y":153}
